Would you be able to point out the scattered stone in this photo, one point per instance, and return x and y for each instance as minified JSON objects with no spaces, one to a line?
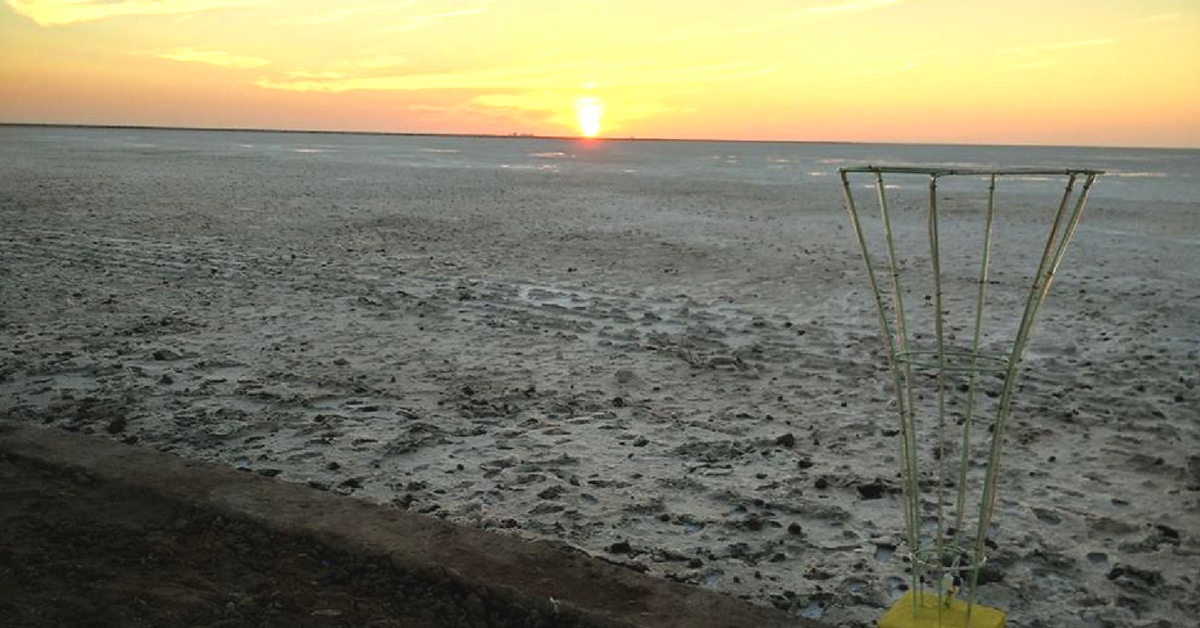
{"x":1047,"y":515}
{"x":753,"y":522}
{"x":1108,"y":525}
{"x":695,"y":563}
{"x":552,"y":492}
{"x":787,"y":440}
{"x":164,"y":355}
{"x":546,"y":508}
{"x":117,"y":425}
{"x":620,"y":547}
{"x":795,"y":529}
{"x":641,"y":441}
{"x":269,"y":473}
{"x":821,"y":483}
{"x":618,"y":402}
{"x":989,"y":573}
{"x":341,"y":362}
{"x":805,"y":463}
{"x":875,"y":489}
{"x":1143,"y":580}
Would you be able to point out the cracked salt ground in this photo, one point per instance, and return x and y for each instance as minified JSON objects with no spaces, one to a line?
{"x":704,"y":394}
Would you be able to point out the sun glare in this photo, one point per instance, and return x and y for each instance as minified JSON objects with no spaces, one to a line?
{"x":589,"y":110}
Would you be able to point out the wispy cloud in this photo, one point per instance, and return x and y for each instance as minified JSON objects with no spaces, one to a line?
{"x":559,"y":76}
{"x":1162,"y":17}
{"x":417,"y":22}
{"x":306,"y":75}
{"x":1032,"y":65}
{"x":218,"y":58}
{"x":818,"y":12}
{"x":854,"y":6}
{"x":379,"y":62}
{"x":55,"y":12}
{"x":892,"y":69}
{"x":1032,"y":50}
{"x":344,"y":14}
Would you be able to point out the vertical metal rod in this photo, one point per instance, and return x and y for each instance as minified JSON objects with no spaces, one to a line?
{"x":912,"y":490}
{"x":980,"y":297}
{"x":988,"y":500}
{"x":1073,"y":224}
{"x":940,"y":476}
{"x":890,"y":347}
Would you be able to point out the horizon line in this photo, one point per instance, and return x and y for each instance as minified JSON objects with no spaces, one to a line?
{"x":530,"y":136}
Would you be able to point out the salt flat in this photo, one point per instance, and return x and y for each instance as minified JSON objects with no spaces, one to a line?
{"x":661,"y":353}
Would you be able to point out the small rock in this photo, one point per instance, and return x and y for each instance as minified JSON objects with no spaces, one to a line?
{"x":795,"y":529}
{"x":695,"y":563}
{"x":341,"y":362}
{"x":753,"y":522}
{"x":552,"y":492}
{"x":1047,"y":515}
{"x":117,"y":425}
{"x":164,"y":355}
{"x":804,"y":463}
{"x":618,"y":402}
{"x":872,"y":490}
{"x":787,"y":440}
{"x":625,"y":376}
{"x":821,"y":483}
{"x":620,"y":547}
{"x":1143,"y":580}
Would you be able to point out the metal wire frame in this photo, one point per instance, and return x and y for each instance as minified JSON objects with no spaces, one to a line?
{"x":901,"y":358}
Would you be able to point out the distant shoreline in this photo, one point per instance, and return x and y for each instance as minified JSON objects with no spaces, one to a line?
{"x":139,"y":127}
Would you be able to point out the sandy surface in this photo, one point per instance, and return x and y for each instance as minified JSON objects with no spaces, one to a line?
{"x":612,"y":360}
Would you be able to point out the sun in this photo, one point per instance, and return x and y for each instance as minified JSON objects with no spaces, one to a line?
{"x":589,"y":110}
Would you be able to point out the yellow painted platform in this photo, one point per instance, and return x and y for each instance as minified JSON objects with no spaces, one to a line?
{"x":900,"y":615}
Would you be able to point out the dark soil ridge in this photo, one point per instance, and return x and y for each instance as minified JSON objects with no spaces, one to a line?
{"x":96,"y":533}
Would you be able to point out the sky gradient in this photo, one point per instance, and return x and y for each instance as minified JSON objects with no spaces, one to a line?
{"x":1064,"y":72}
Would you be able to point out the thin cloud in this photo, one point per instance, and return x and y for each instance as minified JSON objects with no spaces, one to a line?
{"x":819,"y":12}
{"x":417,"y":22}
{"x":561,"y":76}
{"x":56,"y":12}
{"x":855,"y":6}
{"x":379,"y":62}
{"x":344,"y":14}
{"x":1066,"y":45}
{"x":218,"y":58}
{"x":1162,"y":17}
{"x":306,"y":75}
{"x":896,"y":69}
{"x":1032,"y":65}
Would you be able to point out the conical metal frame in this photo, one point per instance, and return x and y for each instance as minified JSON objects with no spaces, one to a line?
{"x":949,"y":554}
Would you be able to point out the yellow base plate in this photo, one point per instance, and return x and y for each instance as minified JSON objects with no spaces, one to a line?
{"x":900,"y":615}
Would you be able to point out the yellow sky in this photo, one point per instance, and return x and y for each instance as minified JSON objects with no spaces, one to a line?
{"x":1090,"y":72}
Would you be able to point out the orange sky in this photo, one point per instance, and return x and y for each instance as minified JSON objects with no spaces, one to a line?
{"x":1088,"y":72}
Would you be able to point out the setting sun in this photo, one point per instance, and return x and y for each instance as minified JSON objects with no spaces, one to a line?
{"x":589,"y":109}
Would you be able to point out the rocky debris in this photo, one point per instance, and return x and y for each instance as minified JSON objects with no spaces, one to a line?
{"x":786,"y":440}
{"x":164,"y":355}
{"x":1141,"y":580}
{"x":620,"y":547}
